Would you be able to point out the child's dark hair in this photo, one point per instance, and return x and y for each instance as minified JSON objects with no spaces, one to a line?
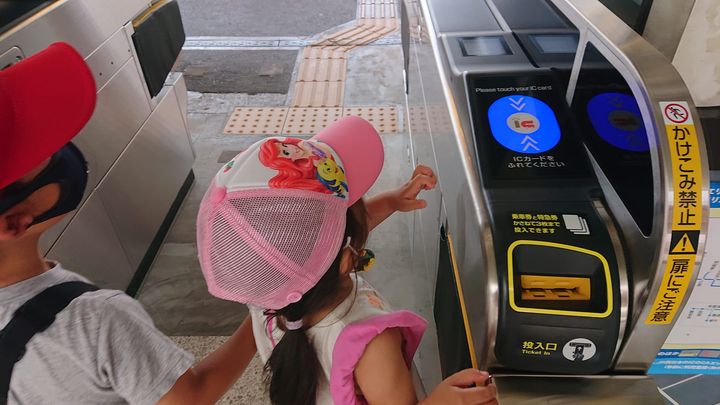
{"x":293,"y":370}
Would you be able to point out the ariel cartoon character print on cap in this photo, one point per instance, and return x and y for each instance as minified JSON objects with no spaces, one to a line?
{"x":306,"y":165}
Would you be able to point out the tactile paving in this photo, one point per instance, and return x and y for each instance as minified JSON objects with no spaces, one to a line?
{"x":377,"y":9}
{"x":418,"y":119}
{"x":364,"y":32}
{"x":256,"y":120}
{"x":323,"y":68}
{"x":383,"y":118}
{"x":305,"y":121}
{"x":325,"y":52}
{"x":309,"y":121}
{"x":318,"y":94}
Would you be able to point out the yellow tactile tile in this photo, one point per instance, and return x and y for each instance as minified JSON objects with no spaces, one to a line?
{"x":325,"y":52}
{"x":322,"y":69}
{"x":256,"y":120}
{"x":309,"y":121}
{"x":318,"y":94}
{"x":378,"y":9}
{"x":364,"y":32}
{"x":383,"y":118}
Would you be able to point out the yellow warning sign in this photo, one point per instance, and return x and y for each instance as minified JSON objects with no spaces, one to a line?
{"x":684,"y":245}
{"x":687,"y":211}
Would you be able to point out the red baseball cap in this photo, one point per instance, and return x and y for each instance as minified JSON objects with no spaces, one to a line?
{"x":45,"y":100}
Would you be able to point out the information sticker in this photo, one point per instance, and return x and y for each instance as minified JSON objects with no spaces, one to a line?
{"x":687,"y":211}
{"x":715,"y":199}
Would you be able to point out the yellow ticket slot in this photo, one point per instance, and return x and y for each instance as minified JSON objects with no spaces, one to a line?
{"x":554,"y":288}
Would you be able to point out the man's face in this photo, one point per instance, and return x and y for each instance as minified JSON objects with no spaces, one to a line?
{"x":15,"y":222}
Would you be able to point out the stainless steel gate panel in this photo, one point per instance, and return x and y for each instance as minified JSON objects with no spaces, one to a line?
{"x":85,"y":24}
{"x":572,"y":390}
{"x":102,"y":260}
{"x":435,"y":136}
{"x":652,"y":79}
{"x":120,"y":111}
{"x":161,"y":156}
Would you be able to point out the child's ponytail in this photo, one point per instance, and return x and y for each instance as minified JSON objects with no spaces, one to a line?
{"x":293,"y":370}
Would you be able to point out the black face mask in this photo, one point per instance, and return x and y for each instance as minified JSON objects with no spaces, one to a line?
{"x":68,"y":169}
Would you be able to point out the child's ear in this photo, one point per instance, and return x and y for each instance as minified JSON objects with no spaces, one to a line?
{"x":347,"y":262}
{"x":13,"y":226}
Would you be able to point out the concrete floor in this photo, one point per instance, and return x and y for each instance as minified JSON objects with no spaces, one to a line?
{"x":237,"y":71}
{"x":273,"y":18}
{"x":248,"y":389}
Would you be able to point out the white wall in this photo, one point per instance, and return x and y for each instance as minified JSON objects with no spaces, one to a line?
{"x":666,"y":23}
{"x":698,"y":54}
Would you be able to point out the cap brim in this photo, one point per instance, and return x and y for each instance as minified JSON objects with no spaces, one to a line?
{"x":360,"y":149}
{"x":45,"y":100}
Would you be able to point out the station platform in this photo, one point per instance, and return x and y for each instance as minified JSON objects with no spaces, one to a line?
{"x":569,"y":246}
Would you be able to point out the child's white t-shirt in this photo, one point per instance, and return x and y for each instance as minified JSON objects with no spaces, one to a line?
{"x":362,"y":304}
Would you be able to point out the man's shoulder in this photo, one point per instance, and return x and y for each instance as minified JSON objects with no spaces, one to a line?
{"x":97,"y":303}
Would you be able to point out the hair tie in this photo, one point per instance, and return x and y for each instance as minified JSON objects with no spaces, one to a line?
{"x":349,"y":246}
{"x":293,"y":325}
{"x":366,"y":257}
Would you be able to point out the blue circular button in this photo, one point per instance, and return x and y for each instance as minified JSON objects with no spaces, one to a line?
{"x":617,"y":119}
{"x":524,"y":124}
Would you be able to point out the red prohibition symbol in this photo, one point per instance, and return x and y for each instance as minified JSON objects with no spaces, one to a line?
{"x":676,"y":113}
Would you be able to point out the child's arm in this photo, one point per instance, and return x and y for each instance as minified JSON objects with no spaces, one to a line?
{"x":384,"y":378}
{"x":207,"y":382}
{"x":403,"y":199}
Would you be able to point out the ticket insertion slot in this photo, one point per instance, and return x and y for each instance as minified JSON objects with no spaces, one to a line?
{"x":555,"y":288}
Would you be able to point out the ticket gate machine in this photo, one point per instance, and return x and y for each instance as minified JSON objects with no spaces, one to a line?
{"x":573,"y":193}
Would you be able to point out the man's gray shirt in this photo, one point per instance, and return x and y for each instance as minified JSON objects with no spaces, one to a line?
{"x":102,"y":349}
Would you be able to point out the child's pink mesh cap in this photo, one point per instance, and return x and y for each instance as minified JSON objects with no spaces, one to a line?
{"x":273,"y":219}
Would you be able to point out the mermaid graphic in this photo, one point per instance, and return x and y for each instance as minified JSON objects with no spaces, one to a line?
{"x":303,"y":165}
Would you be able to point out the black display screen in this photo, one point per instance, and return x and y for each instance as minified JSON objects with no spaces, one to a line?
{"x":523,"y":130}
{"x":14,"y":12}
{"x":484,"y":46}
{"x":614,"y":132}
{"x":555,"y":43}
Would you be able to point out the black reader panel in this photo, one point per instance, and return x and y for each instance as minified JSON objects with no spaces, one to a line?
{"x":557,"y":271}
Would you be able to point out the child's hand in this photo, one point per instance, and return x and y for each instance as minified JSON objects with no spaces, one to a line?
{"x":467,"y":387}
{"x":405,"y":198}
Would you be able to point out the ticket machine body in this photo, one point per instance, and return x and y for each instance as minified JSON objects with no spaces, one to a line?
{"x":567,"y":237}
